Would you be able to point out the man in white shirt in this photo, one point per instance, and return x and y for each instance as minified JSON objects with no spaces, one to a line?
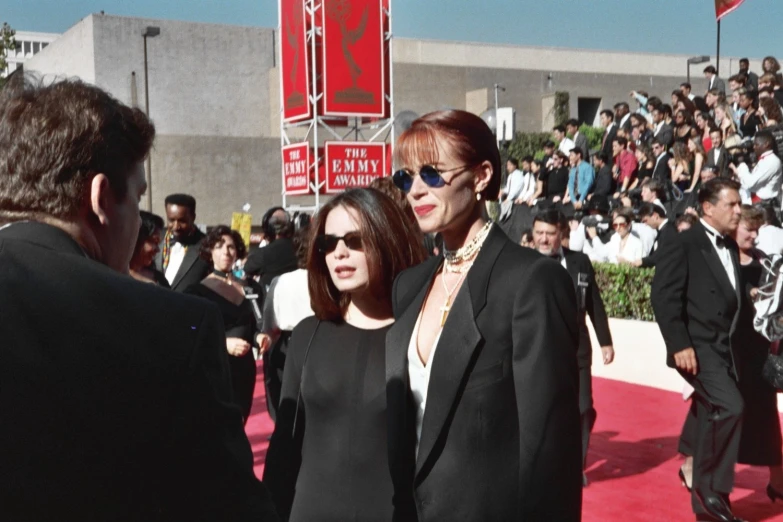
{"x":763,"y":183}
{"x":566,"y":145}
{"x":179,"y":257}
{"x":515,"y":184}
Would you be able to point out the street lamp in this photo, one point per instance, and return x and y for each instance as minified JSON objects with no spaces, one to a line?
{"x":695,"y":61}
{"x":149,"y":32}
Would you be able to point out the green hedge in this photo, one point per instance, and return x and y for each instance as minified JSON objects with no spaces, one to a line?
{"x":625,"y":290}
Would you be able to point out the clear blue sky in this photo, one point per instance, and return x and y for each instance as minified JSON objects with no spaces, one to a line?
{"x":672,"y":26}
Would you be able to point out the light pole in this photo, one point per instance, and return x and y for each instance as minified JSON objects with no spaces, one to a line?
{"x":694,"y":61}
{"x":149,"y":32}
{"x":498,"y":130}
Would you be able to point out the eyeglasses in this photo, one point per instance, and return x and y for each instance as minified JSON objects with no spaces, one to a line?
{"x":327,"y":243}
{"x":403,"y":178}
{"x":619,"y":225}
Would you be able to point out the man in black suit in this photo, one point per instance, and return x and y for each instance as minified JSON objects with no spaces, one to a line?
{"x":610,"y":133}
{"x":580,"y":140}
{"x":662,"y":172}
{"x":279,"y":256}
{"x":654,"y":216}
{"x":718,"y":156}
{"x":622,"y":116}
{"x":696,"y":296}
{"x":662,"y":132}
{"x":753,"y":78}
{"x":604,"y":180}
{"x":547,"y":234}
{"x":179,"y":255}
{"x":116,"y":395}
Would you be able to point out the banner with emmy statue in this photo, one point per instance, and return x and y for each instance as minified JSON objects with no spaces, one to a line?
{"x":354,"y":64}
{"x":294,"y":67}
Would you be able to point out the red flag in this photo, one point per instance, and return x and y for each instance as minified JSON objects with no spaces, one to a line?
{"x":724,"y":7}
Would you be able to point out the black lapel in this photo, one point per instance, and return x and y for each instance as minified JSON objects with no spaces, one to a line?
{"x":734,"y":249}
{"x":715,"y":264}
{"x":191,"y":256}
{"x":458,"y":341}
{"x":571,"y":264}
{"x":44,"y":235}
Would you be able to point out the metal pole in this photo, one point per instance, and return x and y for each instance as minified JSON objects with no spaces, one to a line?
{"x":147,"y":110}
{"x":717,"y":59}
{"x":689,"y":71}
{"x":497,"y":128}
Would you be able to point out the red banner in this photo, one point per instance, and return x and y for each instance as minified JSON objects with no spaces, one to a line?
{"x":354,"y":71}
{"x":724,"y":7}
{"x":294,"y":68}
{"x":351,"y":164}
{"x":296,"y":169}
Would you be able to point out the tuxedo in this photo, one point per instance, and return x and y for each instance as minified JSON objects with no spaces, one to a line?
{"x":665,"y":235}
{"x":606,"y":144}
{"x":589,"y":302}
{"x":721,"y":166}
{"x":116,"y":395}
{"x":697,"y":306}
{"x":500,"y":432}
{"x":193,"y":269}
{"x":662,"y":172}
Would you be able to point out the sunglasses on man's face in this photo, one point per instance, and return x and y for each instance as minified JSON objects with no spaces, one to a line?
{"x":403,"y":178}
{"x":327,"y":243}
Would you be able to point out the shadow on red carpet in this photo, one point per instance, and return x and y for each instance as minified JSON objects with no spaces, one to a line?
{"x":633,"y":460}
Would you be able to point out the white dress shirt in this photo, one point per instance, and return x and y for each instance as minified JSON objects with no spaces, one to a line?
{"x":765,"y":179}
{"x":723,"y":252}
{"x":770,"y":240}
{"x":289,"y":298}
{"x":609,"y":252}
{"x":566,"y":146}
{"x":647,"y":234}
{"x":419,"y":377}
{"x":514,"y":184}
{"x":528,"y":186}
{"x":176,"y":256}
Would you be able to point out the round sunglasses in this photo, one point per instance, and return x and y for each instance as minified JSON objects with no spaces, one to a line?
{"x":327,"y":243}
{"x":403,"y":178}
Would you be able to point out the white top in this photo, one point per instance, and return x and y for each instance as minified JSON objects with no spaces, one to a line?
{"x":770,"y":240}
{"x":609,"y":252}
{"x":528,"y":186}
{"x":291,"y":300}
{"x":766,"y":177}
{"x":647,"y":235}
{"x":723,"y":253}
{"x":566,"y":145}
{"x":176,"y":256}
{"x":419,"y":377}
{"x":515,"y":183}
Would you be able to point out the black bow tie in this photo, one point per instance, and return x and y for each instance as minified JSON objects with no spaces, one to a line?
{"x":720,"y":241}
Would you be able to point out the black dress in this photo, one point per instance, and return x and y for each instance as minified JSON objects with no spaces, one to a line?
{"x":239,"y":322}
{"x":761,"y":443}
{"x":749,"y":125}
{"x":336,"y":466}
{"x":557,"y":182}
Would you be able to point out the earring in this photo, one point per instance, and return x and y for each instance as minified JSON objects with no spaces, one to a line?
{"x":478,"y":196}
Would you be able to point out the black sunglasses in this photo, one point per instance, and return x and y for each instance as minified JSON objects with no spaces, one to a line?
{"x":430,"y":175}
{"x":327,"y":243}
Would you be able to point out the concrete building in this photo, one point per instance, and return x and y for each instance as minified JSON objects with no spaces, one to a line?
{"x":27,"y":45}
{"x":214,"y":94}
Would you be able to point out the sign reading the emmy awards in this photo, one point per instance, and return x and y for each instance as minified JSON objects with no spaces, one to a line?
{"x":296,"y":169}
{"x":351,"y":164}
{"x":294,"y":70}
{"x":353,"y":58}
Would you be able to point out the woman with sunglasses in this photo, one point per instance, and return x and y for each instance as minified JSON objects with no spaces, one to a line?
{"x":623,"y":247}
{"x":327,"y":460}
{"x":481,"y":370}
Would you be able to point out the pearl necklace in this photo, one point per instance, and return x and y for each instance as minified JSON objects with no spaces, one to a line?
{"x":460,"y":260}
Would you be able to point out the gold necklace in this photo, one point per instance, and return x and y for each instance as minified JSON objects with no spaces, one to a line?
{"x":446,"y":308}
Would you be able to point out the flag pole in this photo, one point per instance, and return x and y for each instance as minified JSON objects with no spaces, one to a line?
{"x":717,"y":59}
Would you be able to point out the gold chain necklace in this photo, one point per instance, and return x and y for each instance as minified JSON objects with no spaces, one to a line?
{"x":446,"y":308}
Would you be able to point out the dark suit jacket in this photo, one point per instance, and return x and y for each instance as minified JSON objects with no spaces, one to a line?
{"x":604,"y":182}
{"x":589,"y":302}
{"x":581,"y":143}
{"x":694,"y":302}
{"x":500,"y":439}
{"x":116,"y":395}
{"x":717,"y":83}
{"x":193,"y":269}
{"x":275,"y":259}
{"x":665,"y":235}
{"x":665,"y":135}
{"x":662,"y":171}
{"x":722,"y":165}
{"x":608,"y":138}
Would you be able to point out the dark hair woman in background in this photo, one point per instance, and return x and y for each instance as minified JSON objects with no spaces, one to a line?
{"x":142,"y":264}
{"x":221,"y":249}
{"x":328,"y":458}
{"x":481,"y":371}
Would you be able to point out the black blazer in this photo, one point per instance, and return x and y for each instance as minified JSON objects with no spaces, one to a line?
{"x":662,"y":171}
{"x":722,"y":165}
{"x":608,"y":138}
{"x":665,"y":235}
{"x":589,"y":302}
{"x":665,"y":135}
{"x":193,"y":269}
{"x":275,"y":259}
{"x":500,"y":438}
{"x":604,"y":182}
{"x":116,"y":395}
{"x":694,"y":302}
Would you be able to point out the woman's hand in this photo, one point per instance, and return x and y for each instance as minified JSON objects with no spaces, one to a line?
{"x":236,"y":346}
{"x":264,"y":343}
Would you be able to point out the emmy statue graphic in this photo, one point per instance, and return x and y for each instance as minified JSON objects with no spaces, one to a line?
{"x":340,"y":12}
{"x":295,"y":99}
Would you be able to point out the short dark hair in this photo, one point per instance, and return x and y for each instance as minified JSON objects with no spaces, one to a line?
{"x":572,"y":123}
{"x":710,"y":69}
{"x":54,"y":139}
{"x":149,"y":224}
{"x":550,"y":216}
{"x":653,"y":185}
{"x":576,"y":150}
{"x":621,"y":105}
{"x":609,"y":114}
{"x":744,"y":60}
{"x":513,"y":161}
{"x":648,"y":209}
{"x":601,"y":156}
{"x":549,"y":144}
{"x":686,"y":218}
{"x":215,"y":237}
{"x":666,"y":109}
{"x":621,"y":140}
{"x":767,"y":139}
{"x":686,"y":85}
{"x":391,"y":243}
{"x":559,"y":128}
{"x":657,"y":141}
{"x":281,"y":226}
{"x":527,"y":159}
{"x":711,"y":190}
{"x":625,"y":213}
{"x":181,"y":200}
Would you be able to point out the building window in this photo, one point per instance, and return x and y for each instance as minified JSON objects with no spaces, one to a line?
{"x":26,"y":47}
{"x":36,"y":47}
{"x":43,"y":45}
{"x":587,"y":110}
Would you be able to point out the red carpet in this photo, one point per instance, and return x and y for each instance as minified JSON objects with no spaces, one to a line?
{"x":633,"y":461}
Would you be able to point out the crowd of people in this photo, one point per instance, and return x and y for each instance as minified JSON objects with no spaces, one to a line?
{"x":408,"y":343}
